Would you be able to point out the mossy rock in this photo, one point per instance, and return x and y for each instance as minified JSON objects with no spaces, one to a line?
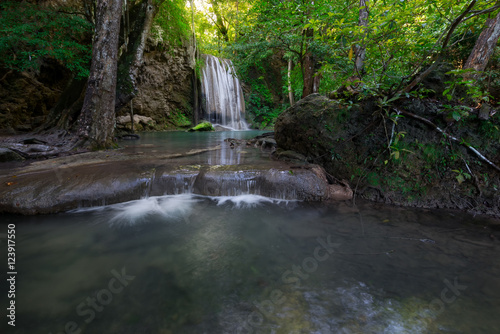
{"x":204,"y":126}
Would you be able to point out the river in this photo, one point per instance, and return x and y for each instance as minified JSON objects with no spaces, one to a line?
{"x":251,"y":264}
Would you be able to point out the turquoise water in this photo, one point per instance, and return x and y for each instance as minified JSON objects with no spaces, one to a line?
{"x":220,"y":153}
{"x":250,"y":264}
{"x":254,"y":265}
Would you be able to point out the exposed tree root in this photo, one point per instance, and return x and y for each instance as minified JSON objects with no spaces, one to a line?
{"x":437,"y":128}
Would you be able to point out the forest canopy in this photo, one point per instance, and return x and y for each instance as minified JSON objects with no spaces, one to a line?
{"x":285,"y":50}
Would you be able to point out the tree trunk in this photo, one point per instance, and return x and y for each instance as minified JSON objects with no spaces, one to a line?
{"x":97,"y":119}
{"x":361,"y":52}
{"x":485,"y":45}
{"x":290,"y":91}
{"x":308,"y":67}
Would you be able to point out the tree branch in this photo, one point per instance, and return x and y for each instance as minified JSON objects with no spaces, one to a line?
{"x":437,"y":128}
{"x":481,"y":12}
{"x":439,"y":55}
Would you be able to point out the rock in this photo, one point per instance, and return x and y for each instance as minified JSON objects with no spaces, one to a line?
{"x":9,"y":155}
{"x":138,"y":119}
{"x":165,"y":85}
{"x":204,"y":126}
{"x":351,"y":143}
{"x":289,"y":156}
{"x":268,"y":143}
{"x":38,"y":148}
{"x":484,"y":112}
{"x":50,"y":188}
{"x":309,"y":127}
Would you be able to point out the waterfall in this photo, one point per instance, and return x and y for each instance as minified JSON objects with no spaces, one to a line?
{"x":224,"y":103}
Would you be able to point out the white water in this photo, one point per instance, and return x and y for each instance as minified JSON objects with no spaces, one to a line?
{"x":224,"y":103}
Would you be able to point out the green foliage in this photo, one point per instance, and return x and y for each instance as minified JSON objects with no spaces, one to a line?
{"x":462,"y":80}
{"x":462,"y":176}
{"x":29,"y":33}
{"x":171,"y":24}
{"x":180,"y":120}
{"x":399,"y":40}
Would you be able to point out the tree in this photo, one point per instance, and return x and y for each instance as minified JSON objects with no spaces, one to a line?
{"x":485,"y":46}
{"x":361,"y":50}
{"x":30,"y":33}
{"x":97,"y":118}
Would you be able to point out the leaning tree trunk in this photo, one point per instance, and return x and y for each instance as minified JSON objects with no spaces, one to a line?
{"x":485,"y":45}
{"x":97,"y":118}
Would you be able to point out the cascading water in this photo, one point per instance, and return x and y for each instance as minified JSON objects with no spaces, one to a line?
{"x":224,"y":103}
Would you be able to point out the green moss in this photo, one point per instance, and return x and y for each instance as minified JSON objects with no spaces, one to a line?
{"x":204,"y":126}
{"x":180,"y":120}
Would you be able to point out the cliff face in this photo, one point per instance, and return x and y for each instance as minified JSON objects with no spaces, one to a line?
{"x":165,"y":91}
{"x":27,"y":97}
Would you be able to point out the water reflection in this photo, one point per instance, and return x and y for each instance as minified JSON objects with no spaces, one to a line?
{"x":246,"y":263}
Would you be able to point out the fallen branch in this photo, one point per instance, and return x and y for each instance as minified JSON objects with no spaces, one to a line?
{"x":437,"y":128}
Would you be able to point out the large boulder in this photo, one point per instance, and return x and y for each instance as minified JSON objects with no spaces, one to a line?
{"x":307,"y":126}
{"x":394,"y":159}
{"x":315,"y":127}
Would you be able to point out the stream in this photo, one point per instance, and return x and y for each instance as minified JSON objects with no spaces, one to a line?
{"x":250,"y":264}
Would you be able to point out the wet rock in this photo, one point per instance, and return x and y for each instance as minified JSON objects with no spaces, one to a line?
{"x":204,"y":126}
{"x":267,"y":143}
{"x":9,"y":155}
{"x":65,"y":187}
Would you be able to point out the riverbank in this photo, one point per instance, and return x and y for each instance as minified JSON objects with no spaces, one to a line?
{"x":388,"y":154}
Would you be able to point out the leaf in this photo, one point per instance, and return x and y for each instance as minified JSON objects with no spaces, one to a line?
{"x":460,"y":178}
{"x":351,"y":53}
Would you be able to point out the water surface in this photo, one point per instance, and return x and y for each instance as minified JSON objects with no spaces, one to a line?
{"x":249,"y":264}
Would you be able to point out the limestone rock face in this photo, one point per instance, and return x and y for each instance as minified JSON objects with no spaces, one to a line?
{"x":138,"y":119}
{"x":165,"y":85}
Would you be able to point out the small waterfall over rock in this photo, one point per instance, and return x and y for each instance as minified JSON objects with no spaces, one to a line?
{"x":222,"y":93}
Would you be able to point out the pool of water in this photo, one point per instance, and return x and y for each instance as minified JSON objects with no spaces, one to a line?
{"x":248,"y":264}
{"x":197,"y":147}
